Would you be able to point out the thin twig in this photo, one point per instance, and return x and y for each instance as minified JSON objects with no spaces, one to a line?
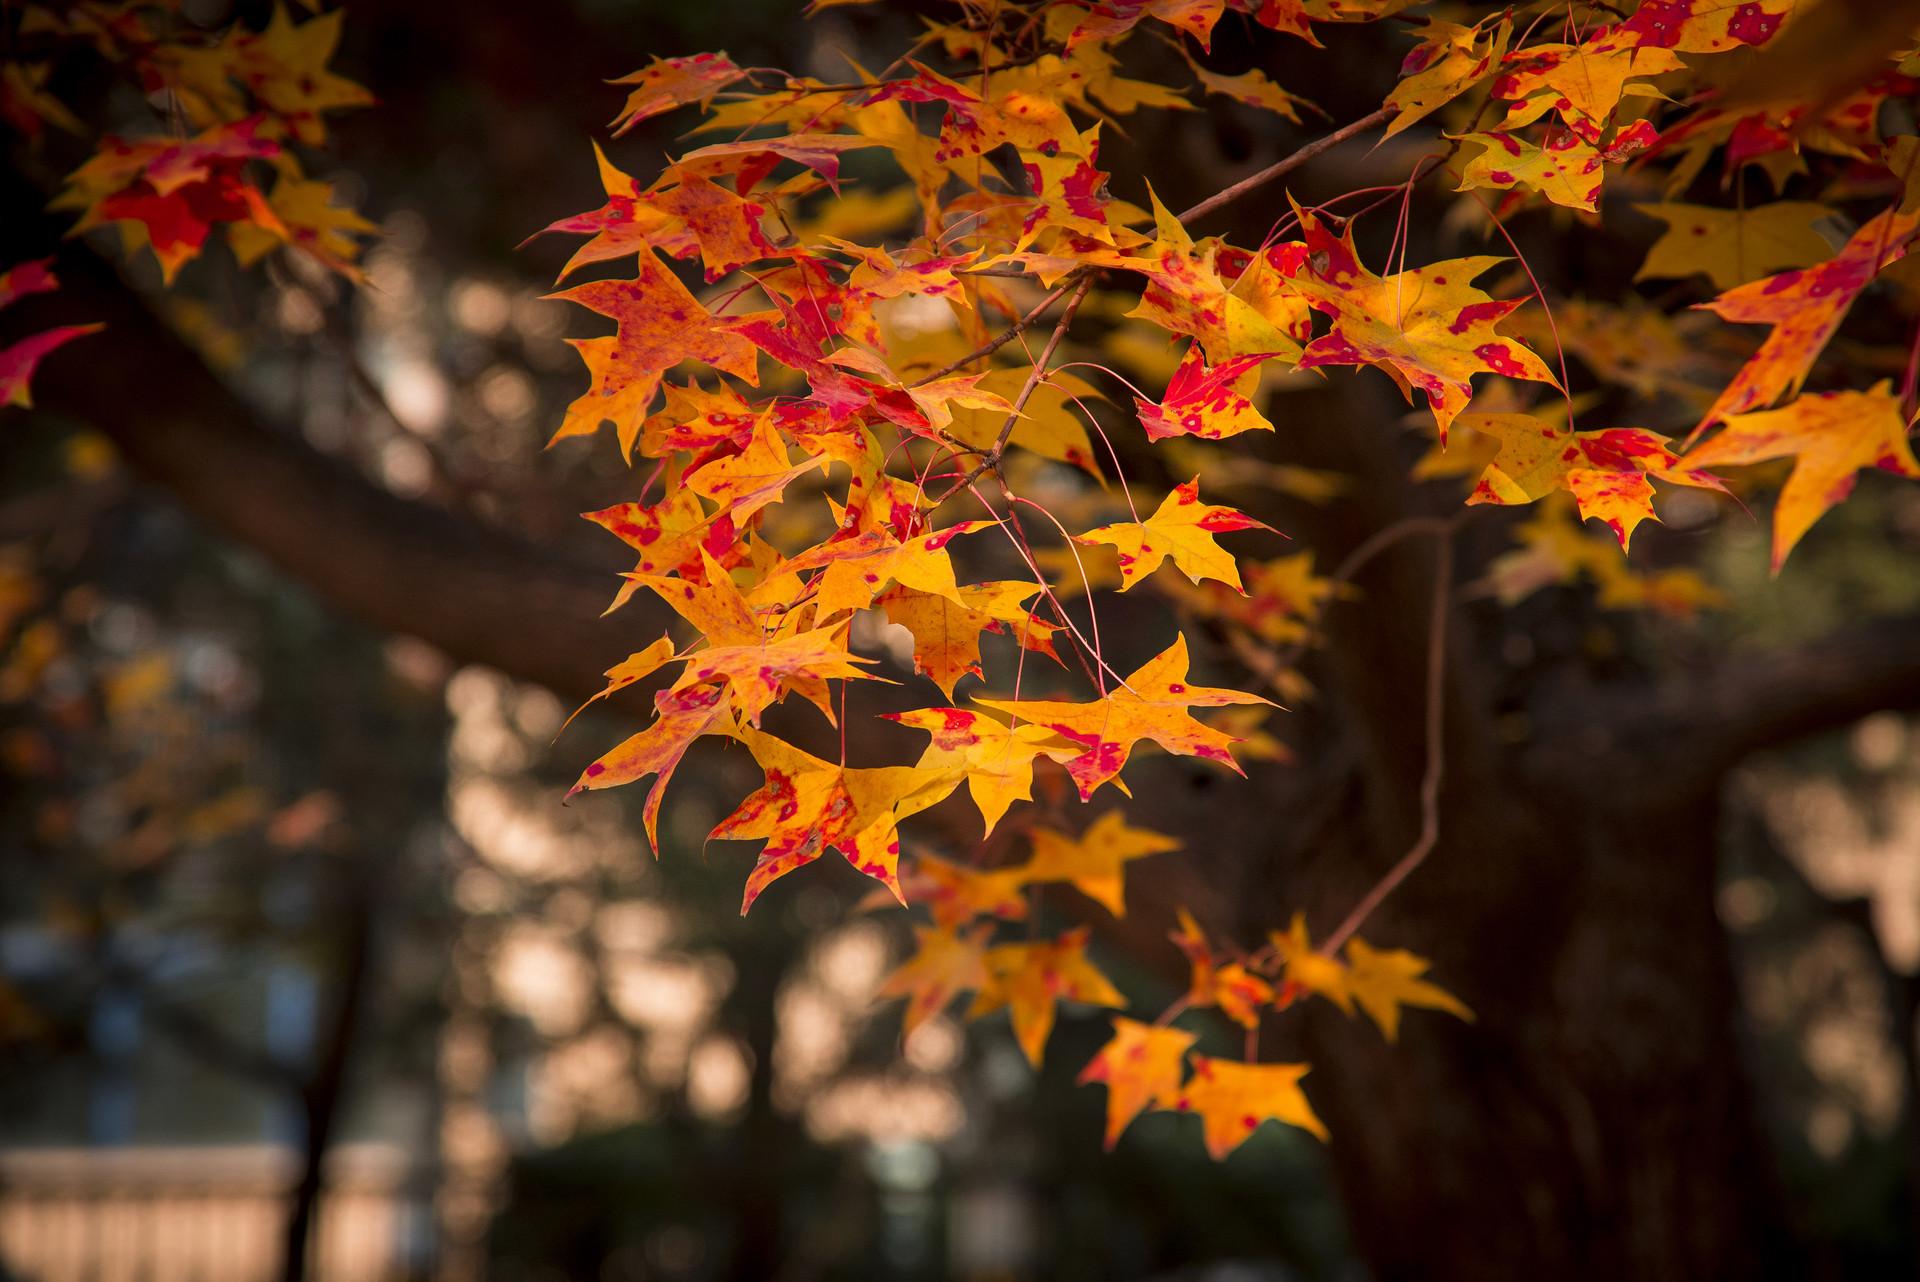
{"x":1279,"y":168}
{"x":1013,"y":331}
{"x":1436,"y":753}
{"x":991,"y":459}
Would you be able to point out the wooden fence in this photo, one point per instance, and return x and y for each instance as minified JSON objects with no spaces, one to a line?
{"x":203,"y":1214}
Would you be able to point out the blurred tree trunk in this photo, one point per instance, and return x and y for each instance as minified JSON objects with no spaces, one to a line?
{"x":1596,"y":1121}
{"x":323,"y":1092}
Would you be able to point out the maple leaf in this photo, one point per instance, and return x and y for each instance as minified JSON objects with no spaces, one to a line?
{"x":669,"y":537}
{"x":747,"y":481}
{"x":625,"y":224}
{"x":1192,"y":941}
{"x":1553,"y":549}
{"x":996,"y":759}
{"x":18,"y":360}
{"x":1106,"y":19}
{"x":1182,"y":527}
{"x":1141,"y":1068}
{"x":1252,"y":88}
{"x":1427,"y":328}
{"x":1209,"y":403}
{"x":807,"y":806}
{"x":309,"y":221}
{"x":954,"y":894}
{"x":285,"y":68}
{"x":946,"y":962}
{"x":1733,"y":246}
{"x":1095,"y":862}
{"x":636,"y":667}
{"x":1804,"y":308}
{"x":1449,"y":60}
{"x":21,"y":280}
{"x":1566,"y":170}
{"x":854,"y":569}
{"x":1186,"y":293}
{"x":1030,"y":979}
{"x":1232,"y":1099}
{"x":1047,"y":425}
{"x":682,"y":716}
{"x":752,"y":159}
{"x":1306,"y":970}
{"x":1384,"y":980}
{"x":725,"y":227}
{"x":1703,"y":26}
{"x":1610,"y":473}
{"x":661,"y":324}
{"x":1830,"y":436}
{"x":1583,"y":83}
{"x":666,"y":83}
{"x":1152,"y":705}
{"x":173,"y":193}
{"x":712,"y":603}
{"x":757,"y":674}
{"x":946,"y":634}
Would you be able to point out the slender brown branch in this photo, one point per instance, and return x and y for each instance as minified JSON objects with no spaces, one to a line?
{"x":1013,"y":331}
{"x":1280,"y":168}
{"x":990,"y":461}
{"x":1436,"y":750}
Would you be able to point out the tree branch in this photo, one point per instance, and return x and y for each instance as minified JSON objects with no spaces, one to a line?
{"x":1686,"y":731}
{"x":479,"y":593}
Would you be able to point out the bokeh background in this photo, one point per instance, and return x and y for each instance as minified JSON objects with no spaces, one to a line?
{"x":294,"y":925}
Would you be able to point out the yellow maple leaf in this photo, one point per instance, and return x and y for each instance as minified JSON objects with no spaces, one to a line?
{"x":1182,"y":527}
{"x":1232,"y":1099}
{"x":1094,"y":863}
{"x":1384,"y":980}
{"x":1030,"y":979}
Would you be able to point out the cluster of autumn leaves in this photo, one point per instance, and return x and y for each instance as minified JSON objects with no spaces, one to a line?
{"x":888,"y":362}
{"x":1144,"y":1065}
{"x":237,"y":101}
{"x":859,"y":390}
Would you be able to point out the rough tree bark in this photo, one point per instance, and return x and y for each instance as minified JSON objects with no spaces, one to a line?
{"x":1594,"y":1123}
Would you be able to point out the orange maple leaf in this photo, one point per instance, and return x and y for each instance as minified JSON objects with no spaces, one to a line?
{"x":1426,"y":327}
{"x":995,"y":759}
{"x":946,"y":962}
{"x":661,"y":324}
{"x":1831,"y":436}
{"x":666,"y":83}
{"x":681,"y":716}
{"x":1610,"y":472}
{"x":807,"y":806}
{"x":1232,"y":1099}
{"x":1804,"y":307}
{"x":1094,"y":863}
{"x":1029,"y":979}
{"x":1142,"y":1067}
{"x":1152,"y":705}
